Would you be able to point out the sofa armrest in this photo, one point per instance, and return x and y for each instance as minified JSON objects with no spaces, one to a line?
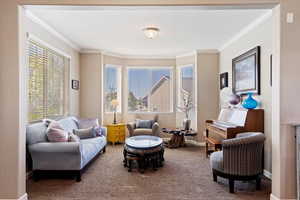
{"x":131,"y":126}
{"x":155,"y":129}
{"x":59,"y":147}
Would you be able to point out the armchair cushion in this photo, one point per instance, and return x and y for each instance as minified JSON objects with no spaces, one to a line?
{"x":143,"y":131}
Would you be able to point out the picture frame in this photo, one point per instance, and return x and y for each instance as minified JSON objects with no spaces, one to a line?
{"x":246,"y":72}
{"x":223,"y":80}
{"x":75,"y":84}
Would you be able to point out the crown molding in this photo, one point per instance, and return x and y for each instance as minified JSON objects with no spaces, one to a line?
{"x":247,"y":29}
{"x":208,"y":51}
{"x":124,"y":56}
{"x":91,"y":51}
{"x":193,"y":53}
{"x":50,"y":29}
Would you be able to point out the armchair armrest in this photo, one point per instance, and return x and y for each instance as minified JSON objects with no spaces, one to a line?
{"x":244,"y":139}
{"x":131,"y":126}
{"x":155,"y":129}
{"x":59,"y":147}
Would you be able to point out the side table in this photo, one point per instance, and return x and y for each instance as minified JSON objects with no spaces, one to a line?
{"x":116,"y":133}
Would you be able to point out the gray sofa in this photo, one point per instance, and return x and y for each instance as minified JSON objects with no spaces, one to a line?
{"x":240,"y":159}
{"x":64,"y":157}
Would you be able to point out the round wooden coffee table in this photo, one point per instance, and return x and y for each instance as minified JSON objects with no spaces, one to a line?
{"x":144,"y":150}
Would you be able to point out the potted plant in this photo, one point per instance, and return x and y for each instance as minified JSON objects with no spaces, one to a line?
{"x":186,"y":106}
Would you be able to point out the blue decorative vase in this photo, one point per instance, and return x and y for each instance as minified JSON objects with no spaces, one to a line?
{"x":250,"y":102}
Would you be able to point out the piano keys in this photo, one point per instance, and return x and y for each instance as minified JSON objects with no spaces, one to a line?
{"x":232,"y":121}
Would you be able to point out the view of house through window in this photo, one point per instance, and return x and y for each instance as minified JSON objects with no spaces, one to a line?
{"x":150,"y":89}
{"x":112,"y":87}
{"x":46,"y":82}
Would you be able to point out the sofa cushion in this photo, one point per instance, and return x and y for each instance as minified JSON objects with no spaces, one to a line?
{"x":144,"y":123}
{"x":91,"y":147}
{"x":87,"y":123}
{"x":36,"y":133}
{"x":68,"y":124}
{"x":85,"y":133}
{"x":216,"y":161}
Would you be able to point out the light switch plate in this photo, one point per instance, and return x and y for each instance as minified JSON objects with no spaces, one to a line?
{"x":290,"y":18}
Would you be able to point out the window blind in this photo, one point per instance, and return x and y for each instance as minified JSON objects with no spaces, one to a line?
{"x":47,"y":82}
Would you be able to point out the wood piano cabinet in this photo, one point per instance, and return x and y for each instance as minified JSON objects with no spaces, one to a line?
{"x":231,"y":121}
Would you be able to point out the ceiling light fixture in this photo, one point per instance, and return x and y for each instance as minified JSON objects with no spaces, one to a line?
{"x":151,"y":32}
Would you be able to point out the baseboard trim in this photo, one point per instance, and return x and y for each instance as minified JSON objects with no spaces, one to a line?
{"x":267,"y":174}
{"x":273,"y":197}
{"x":24,"y":197}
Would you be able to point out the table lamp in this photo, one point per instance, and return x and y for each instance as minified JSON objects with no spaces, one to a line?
{"x":115,"y":104}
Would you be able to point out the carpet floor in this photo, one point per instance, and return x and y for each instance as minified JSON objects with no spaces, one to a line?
{"x":186,"y":175}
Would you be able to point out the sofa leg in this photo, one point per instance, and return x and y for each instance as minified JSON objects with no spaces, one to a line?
{"x":78,"y":176}
{"x":258,"y":183}
{"x":231,"y":185}
{"x":215,"y":177}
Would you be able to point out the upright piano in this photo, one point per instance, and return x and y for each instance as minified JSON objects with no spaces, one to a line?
{"x":232,"y":121}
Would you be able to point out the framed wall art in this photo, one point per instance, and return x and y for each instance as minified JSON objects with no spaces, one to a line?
{"x":246,"y":72}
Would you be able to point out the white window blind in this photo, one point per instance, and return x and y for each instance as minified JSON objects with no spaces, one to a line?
{"x":47,"y":83}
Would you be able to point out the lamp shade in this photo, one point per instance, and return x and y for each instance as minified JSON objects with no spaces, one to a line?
{"x":114,"y":102}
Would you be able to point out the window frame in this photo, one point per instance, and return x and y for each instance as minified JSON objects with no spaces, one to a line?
{"x":179,"y":83}
{"x":67,"y":74}
{"x":119,"y":87}
{"x":171,"y":68}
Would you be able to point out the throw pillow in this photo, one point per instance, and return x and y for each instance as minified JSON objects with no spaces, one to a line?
{"x":55,"y":124}
{"x":73,"y":138}
{"x":57,"y":135}
{"x":85,"y":133}
{"x":144,"y":123}
{"x":98,"y":131}
{"x":87,"y":123}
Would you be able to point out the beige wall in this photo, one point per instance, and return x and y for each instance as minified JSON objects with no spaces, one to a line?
{"x":259,"y":36}
{"x":286,"y":108}
{"x":207,"y":89}
{"x":90,"y":87}
{"x":41,"y":34}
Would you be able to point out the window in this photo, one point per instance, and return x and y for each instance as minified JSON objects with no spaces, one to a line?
{"x":186,"y":83}
{"x":112,"y":87}
{"x":150,"y":89}
{"x":47,"y":79}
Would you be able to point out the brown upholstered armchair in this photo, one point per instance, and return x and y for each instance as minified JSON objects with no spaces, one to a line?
{"x":240,"y":159}
{"x":152,"y":129}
